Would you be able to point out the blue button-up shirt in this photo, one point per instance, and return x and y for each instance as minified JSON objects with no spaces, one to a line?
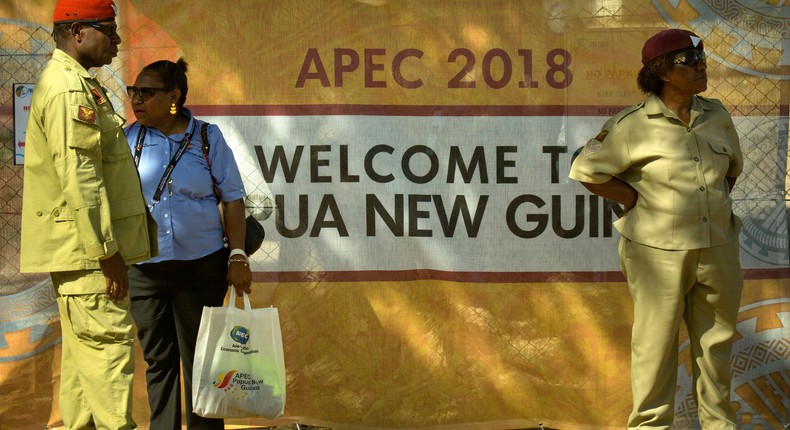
{"x":189,"y":220}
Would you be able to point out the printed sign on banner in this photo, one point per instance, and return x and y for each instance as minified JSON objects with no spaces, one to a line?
{"x":489,"y":188}
{"x":23,"y":94}
{"x":433,"y":264}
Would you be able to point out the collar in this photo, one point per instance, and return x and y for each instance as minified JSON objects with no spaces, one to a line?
{"x":191,"y":129}
{"x":191,"y":124}
{"x":655,"y":106}
{"x":70,"y":63}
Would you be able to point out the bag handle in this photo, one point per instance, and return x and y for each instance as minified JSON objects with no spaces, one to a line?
{"x":205,"y":145}
{"x":232,"y":299}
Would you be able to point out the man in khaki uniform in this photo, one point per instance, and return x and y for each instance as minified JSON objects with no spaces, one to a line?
{"x":84,"y":218}
{"x":672,"y":161}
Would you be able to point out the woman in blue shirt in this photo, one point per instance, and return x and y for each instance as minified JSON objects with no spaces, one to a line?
{"x":182,"y":182}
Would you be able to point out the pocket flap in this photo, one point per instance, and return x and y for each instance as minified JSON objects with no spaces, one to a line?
{"x":62,"y":213}
{"x":127,"y":208}
{"x":85,"y":133}
{"x":720,"y":147}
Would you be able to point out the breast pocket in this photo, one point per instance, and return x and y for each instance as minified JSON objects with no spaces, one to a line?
{"x":85,"y":129}
{"x":720,"y":157}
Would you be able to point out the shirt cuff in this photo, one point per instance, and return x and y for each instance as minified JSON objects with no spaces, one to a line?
{"x":103,"y":250}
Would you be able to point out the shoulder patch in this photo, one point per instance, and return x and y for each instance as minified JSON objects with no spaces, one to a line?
{"x":602,"y":135}
{"x":86,"y":114}
{"x":592,"y":146}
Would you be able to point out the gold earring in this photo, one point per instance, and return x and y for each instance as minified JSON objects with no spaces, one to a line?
{"x":173,"y":109}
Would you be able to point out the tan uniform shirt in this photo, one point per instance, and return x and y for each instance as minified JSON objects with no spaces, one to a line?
{"x":82,"y":197}
{"x":679,"y":172}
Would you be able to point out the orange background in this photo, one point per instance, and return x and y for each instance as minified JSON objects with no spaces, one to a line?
{"x":426,"y":353}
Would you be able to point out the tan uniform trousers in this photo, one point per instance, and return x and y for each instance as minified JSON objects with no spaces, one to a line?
{"x":97,"y":367}
{"x":703,"y":287}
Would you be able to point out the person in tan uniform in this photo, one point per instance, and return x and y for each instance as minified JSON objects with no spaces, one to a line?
{"x":671,"y":162}
{"x":84,"y":218}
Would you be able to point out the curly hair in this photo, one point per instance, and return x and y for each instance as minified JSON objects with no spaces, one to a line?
{"x":173,"y":75}
{"x":649,"y":78}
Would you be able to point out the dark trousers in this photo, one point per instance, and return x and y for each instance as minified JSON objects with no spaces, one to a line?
{"x":167,"y":303}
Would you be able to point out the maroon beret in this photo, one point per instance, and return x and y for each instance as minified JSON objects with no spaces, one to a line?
{"x":84,"y":11}
{"x":668,"y":42}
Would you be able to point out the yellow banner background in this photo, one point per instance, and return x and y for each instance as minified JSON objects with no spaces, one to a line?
{"x":433,"y":353}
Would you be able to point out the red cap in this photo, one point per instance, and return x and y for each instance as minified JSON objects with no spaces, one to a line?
{"x":670,"y":41}
{"x":84,"y":11}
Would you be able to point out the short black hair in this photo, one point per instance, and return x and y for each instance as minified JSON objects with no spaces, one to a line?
{"x":61,"y":31}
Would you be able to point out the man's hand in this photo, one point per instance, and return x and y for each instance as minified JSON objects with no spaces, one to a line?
{"x":116,"y":277}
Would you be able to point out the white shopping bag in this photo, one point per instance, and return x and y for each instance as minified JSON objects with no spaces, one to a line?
{"x":239,"y":370}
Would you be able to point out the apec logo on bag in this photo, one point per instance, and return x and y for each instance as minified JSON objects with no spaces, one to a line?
{"x":240,"y":334}
{"x":250,"y":393}
{"x":236,"y":383}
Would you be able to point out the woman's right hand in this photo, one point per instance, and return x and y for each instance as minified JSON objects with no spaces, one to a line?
{"x":616,"y":190}
{"x":240,"y":276}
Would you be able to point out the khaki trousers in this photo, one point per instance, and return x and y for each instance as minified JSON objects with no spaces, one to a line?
{"x":97,"y":367}
{"x":702,"y":287}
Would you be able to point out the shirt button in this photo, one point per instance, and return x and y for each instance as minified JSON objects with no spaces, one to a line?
{"x":168,"y":232}
{"x":705,"y":219}
{"x":39,"y":213}
{"x":696,"y":159}
{"x":166,"y":215}
{"x":702,"y":188}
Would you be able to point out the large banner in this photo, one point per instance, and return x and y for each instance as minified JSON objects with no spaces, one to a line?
{"x":433,"y":265}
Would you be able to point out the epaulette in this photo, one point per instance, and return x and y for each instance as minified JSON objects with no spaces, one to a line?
{"x":627,"y":111}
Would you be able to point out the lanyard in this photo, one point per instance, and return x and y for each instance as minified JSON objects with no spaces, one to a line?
{"x":138,"y":149}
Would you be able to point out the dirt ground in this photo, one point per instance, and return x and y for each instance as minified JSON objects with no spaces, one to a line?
{"x":292,"y":427}
{"x":306,"y":427}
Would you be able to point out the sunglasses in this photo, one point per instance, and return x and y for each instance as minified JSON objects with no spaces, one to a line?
{"x":145,"y":93}
{"x":691,"y":58}
{"x":109,"y":30}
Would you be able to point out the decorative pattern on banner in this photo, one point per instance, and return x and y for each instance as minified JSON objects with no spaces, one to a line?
{"x":431,"y":262}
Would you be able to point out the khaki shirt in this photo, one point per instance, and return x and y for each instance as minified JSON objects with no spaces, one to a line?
{"x":679,"y":172}
{"x":82,"y":198}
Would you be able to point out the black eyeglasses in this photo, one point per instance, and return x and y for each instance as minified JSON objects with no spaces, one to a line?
{"x":109,"y":30}
{"x":145,"y":93}
{"x":691,"y":58}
